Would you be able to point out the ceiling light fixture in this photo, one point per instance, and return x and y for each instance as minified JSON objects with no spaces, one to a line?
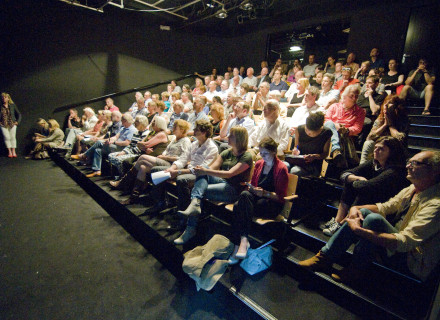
{"x":246,"y":5}
{"x":222,"y":13}
{"x":295,"y":48}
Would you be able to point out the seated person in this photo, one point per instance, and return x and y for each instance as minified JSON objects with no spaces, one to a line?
{"x":293,"y":87}
{"x":244,"y":90}
{"x":175,"y":86}
{"x":370,"y":101}
{"x":110,"y":105}
{"x":298,"y":97}
{"x":42,"y":130}
{"x":351,"y":58}
{"x":231,"y":101}
{"x":392,"y":121}
{"x":375,"y":61}
{"x":250,"y":80}
{"x":217,"y":99}
{"x":260,"y":98}
{"x":218,"y":119}
{"x":73,"y":121}
{"x":198,"y":91}
{"x":187,"y":100}
{"x":264,"y":197}
{"x":273,"y":127}
{"x":93,"y":132}
{"x":89,"y":140}
{"x":161,"y":111}
{"x":420,"y":85}
{"x":178,"y":113}
{"x":147,"y":98}
{"x":310,"y":68}
{"x":374,"y":181}
{"x":328,"y":95}
{"x":302,"y":112}
{"x":338,"y":71}
{"x":380,"y":89}
{"x":151,"y":110}
{"x":344,"y":118}
{"x":393,"y":78}
{"x":312,"y":141}
{"x":141,"y":109}
{"x":330,"y":65}
{"x":316,"y":81}
{"x":278,"y":84}
{"x":221,"y":181}
{"x":224,"y":90}
{"x":53,"y":140}
{"x":132,"y":150}
{"x":179,"y":144}
{"x":174,"y":97}
{"x":239,"y":118}
{"x":410,"y":246}
{"x":346,"y":80}
{"x":201,"y":153}
{"x":186,"y":88}
{"x":102,"y":148}
{"x":88,"y":120}
{"x":212,"y":91}
{"x":198,"y":113}
{"x":166,"y":100}
{"x":362,"y":72}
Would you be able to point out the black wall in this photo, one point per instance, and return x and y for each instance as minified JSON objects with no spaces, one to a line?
{"x":56,"y":54}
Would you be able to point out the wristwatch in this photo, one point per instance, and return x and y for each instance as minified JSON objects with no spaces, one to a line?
{"x":179,"y":172}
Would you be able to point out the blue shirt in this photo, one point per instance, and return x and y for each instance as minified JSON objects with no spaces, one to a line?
{"x":282,"y":86}
{"x":126,"y":133}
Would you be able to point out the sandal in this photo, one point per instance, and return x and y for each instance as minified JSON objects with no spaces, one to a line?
{"x":426,"y":113}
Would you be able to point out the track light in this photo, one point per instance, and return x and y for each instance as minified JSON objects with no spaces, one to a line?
{"x":222,"y":13}
{"x":246,"y":5}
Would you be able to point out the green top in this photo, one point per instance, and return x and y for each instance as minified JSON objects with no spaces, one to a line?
{"x":229,"y":161}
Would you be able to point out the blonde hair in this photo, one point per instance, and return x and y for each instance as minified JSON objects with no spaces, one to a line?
{"x":304,"y":82}
{"x":161,"y":105}
{"x":127,"y":117}
{"x":53,"y":124}
{"x":175,"y":95}
{"x":4,"y":94}
{"x":89,"y":110}
{"x":43,"y":123}
{"x":107,"y":115}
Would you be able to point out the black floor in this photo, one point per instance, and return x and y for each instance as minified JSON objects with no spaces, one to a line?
{"x":63,"y":257}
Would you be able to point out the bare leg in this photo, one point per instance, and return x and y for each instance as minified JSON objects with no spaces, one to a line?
{"x":342,"y":212}
{"x":404,"y":92}
{"x":429,"y":92}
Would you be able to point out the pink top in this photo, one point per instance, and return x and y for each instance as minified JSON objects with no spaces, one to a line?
{"x":114,"y":108}
{"x":352,"y":119}
{"x":339,"y":84}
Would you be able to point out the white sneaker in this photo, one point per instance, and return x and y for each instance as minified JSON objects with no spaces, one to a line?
{"x":189,"y":233}
{"x":327,"y":224}
{"x":332,"y":229}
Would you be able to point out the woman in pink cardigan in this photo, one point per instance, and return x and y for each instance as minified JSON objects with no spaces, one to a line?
{"x":265,"y":194}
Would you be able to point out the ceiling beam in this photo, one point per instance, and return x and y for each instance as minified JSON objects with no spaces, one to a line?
{"x":161,"y":9}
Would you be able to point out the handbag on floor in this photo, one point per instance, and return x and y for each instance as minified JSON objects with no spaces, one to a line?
{"x":258,"y":259}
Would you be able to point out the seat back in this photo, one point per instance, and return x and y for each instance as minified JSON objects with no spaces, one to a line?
{"x":291,"y":190}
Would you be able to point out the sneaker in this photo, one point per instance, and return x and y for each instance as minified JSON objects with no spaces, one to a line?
{"x":327,"y":224}
{"x":332,"y":228}
{"x":188,"y":234}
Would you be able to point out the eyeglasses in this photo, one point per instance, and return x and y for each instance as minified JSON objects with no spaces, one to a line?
{"x":415,"y":163}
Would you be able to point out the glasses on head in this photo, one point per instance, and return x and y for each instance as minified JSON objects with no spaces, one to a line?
{"x":346,"y":69}
{"x":415,"y":163}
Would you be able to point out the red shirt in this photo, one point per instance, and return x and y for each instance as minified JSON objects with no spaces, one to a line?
{"x":352,"y":119}
{"x":339,"y":83}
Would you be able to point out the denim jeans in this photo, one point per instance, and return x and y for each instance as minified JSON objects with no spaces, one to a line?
{"x":335,"y":135}
{"x":213,"y":188}
{"x":97,"y":151}
{"x":367,"y":150}
{"x":364,"y":250}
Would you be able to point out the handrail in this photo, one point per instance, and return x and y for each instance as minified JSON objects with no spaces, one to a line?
{"x":117,"y":94}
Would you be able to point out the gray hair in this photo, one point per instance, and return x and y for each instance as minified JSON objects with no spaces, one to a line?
{"x":265,"y":84}
{"x":89,"y":110}
{"x":160,"y":122}
{"x":330,"y":76}
{"x":273,"y":103}
{"x":314,"y":91}
{"x":179,"y":103}
{"x":275,"y":94}
{"x":127,"y":117}
{"x":352,"y":88}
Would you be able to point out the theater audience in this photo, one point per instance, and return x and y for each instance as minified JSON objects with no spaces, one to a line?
{"x":176,"y":88}
{"x":409,"y":246}
{"x":373,"y":181}
{"x":363,"y":72}
{"x":420,"y":85}
{"x":102,"y":148}
{"x":201,"y":153}
{"x":198,"y":113}
{"x":312,"y":141}
{"x":88,"y":138}
{"x":338,"y":71}
{"x":265,"y":195}
{"x":392,"y":121}
{"x":293,"y":87}
{"x":221,"y":181}
{"x":73,"y":121}
{"x":135,"y":179}
{"x":178,"y":113}
{"x":330,"y":65}
{"x":89,"y":120}
{"x":263,"y":77}
{"x":134,"y":106}
{"x":132,"y":151}
{"x":375,"y":61}
{"x":251,"y":80}
{"x":260,"y":98}
{"x":198,"y":88}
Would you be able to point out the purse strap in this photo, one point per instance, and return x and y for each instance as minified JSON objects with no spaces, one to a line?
{"x":266,"y":244}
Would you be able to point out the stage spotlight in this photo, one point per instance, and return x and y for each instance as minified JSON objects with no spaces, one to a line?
{"x":222,"y":13}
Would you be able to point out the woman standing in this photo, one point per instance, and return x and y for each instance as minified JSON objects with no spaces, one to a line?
{"x":10,"y":117}
{"x":265,"y":196}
